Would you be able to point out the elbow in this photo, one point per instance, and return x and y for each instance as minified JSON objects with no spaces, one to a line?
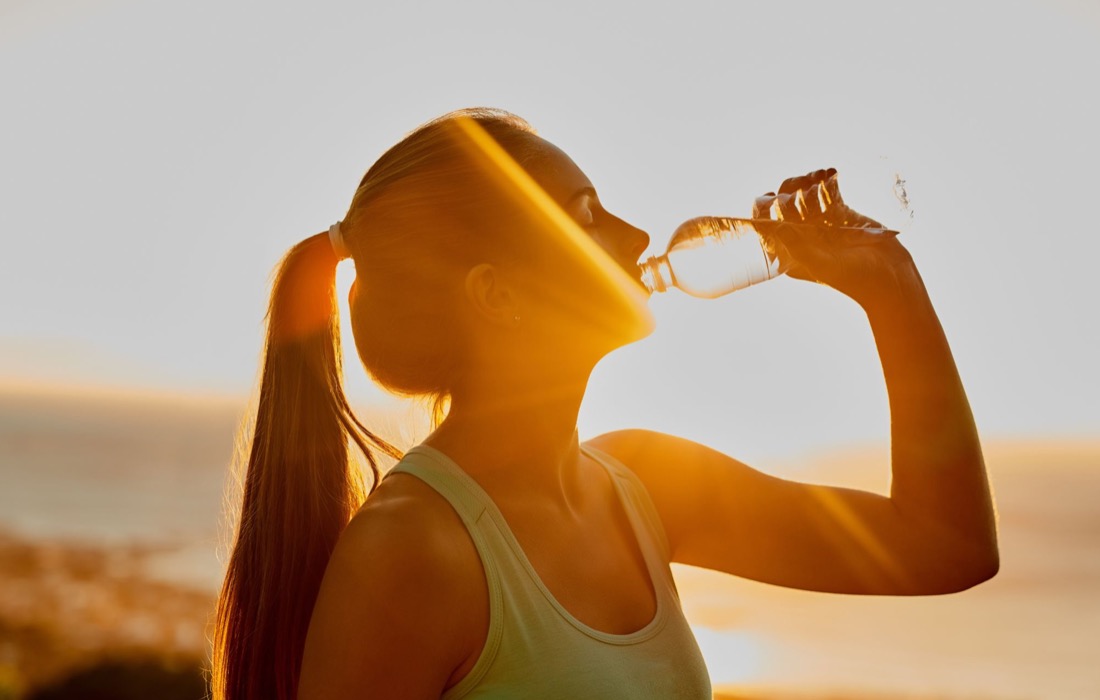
{"x":958,"y":562}
{"x":977,"y":574}
{"x":989,"y":567}
{"x":952,"y":565}
{"x":967,"y":573}
{"x":985,"y":562}
{"x":993,"y":562}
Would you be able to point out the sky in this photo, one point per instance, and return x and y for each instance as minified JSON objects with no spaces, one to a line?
{"x":157,"y":158}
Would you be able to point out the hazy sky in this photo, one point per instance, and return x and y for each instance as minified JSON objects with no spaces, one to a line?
{"x":157,"y":158}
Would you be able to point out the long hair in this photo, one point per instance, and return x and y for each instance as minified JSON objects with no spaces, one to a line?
{"x":413,"y":220}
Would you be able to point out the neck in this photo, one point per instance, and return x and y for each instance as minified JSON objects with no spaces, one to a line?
{"x":517,"y":435}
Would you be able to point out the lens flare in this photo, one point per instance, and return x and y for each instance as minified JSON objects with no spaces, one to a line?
{"x":627,"y":314}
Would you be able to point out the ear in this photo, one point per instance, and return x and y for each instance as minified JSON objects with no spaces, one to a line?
{"x":490,"y":296}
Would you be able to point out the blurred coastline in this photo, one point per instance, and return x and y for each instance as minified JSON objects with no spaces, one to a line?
{"x":112,"y":538}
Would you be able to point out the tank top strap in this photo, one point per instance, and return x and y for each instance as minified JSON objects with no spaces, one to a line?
{"x":535,"y":647}
{"x":637,"y":502}
{"x":443,"y":475}
{"x":471,"y":502}
{"x":472,"y":506}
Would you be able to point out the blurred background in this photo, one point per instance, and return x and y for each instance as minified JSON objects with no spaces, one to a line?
{"x":157,"y":158}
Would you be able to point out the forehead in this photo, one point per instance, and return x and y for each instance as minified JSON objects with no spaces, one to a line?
{"x":556,"y":172}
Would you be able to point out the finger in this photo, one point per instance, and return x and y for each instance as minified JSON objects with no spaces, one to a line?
{"x":832,"y":189}
{"x":818,"y":176}
{"x":802,"y":204}
{"x":825,"y":198}
{"x":791,"y":184}
{"x":761,"y":207}
{"x":815,"y":200}
{"x":820,"y":245}
{"x":786,"y":208}
{"x":801,"y":182}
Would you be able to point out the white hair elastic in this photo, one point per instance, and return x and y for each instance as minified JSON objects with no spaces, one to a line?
{"x":337,"y":240}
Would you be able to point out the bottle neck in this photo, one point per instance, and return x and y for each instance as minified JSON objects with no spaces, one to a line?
{"x":657,"y":274}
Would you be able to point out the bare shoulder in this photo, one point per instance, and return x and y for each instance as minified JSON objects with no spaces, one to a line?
{"x":403,"y":603}
{"x":722,"y":514}
{"x":408,"y":539}
{"x":408,"y":522}
{"x":683,"y":478}
{"x":657,"y":458}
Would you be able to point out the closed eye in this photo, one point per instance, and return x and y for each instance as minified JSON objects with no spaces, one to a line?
{"x":584,"y":207}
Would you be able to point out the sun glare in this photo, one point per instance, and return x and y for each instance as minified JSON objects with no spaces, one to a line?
{"x":574,"y":242}
{"x":864,"y":538}
{"x":732,"y":657}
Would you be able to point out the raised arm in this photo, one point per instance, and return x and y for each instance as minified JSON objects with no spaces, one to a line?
{"x":936,"y":532}
{"x":939,"y":478}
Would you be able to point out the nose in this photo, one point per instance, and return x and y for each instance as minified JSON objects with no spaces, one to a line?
{"x":633,"y":240}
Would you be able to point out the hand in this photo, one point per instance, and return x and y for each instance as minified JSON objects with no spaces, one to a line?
{"x":823,"y":240}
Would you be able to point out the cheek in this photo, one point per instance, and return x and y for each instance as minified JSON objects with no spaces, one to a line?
{"x":604,"y":241}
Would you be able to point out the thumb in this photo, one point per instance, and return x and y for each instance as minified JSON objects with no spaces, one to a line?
{"x":796,"y":245}
{"x":786,"y":236}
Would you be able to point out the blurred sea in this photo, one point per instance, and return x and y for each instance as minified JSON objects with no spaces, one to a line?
{"x":120,"y":470}
{"x":141,"y":481}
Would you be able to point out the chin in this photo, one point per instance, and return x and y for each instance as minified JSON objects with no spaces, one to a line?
{"x":636,"y":325}
{"x":596,"y":314}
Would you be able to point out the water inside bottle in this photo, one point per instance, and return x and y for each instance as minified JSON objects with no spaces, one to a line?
{"x":712,"y":256}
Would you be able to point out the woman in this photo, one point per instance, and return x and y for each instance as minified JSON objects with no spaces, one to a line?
{"x":501,"y":558}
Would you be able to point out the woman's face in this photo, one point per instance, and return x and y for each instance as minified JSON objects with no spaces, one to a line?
{"x":567,"y":185}
{"x":584,"y":301}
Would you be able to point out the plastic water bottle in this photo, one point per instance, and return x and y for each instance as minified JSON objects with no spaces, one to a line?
{"x":711,"y":256}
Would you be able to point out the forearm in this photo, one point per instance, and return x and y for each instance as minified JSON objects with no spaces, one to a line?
{"x":939,"y":478}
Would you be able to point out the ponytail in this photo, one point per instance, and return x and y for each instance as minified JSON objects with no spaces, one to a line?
{"x":299,"y":489}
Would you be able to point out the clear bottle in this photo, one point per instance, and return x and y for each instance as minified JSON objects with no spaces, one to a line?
{"x":710,"y":256}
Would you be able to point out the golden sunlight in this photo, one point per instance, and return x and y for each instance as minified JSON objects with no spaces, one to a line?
{"x":633,"y":317}
{"x":734,"y":658}
{"x":863,"y":538}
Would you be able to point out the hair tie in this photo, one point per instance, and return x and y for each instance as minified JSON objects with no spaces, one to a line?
{"x":337,"y":240}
